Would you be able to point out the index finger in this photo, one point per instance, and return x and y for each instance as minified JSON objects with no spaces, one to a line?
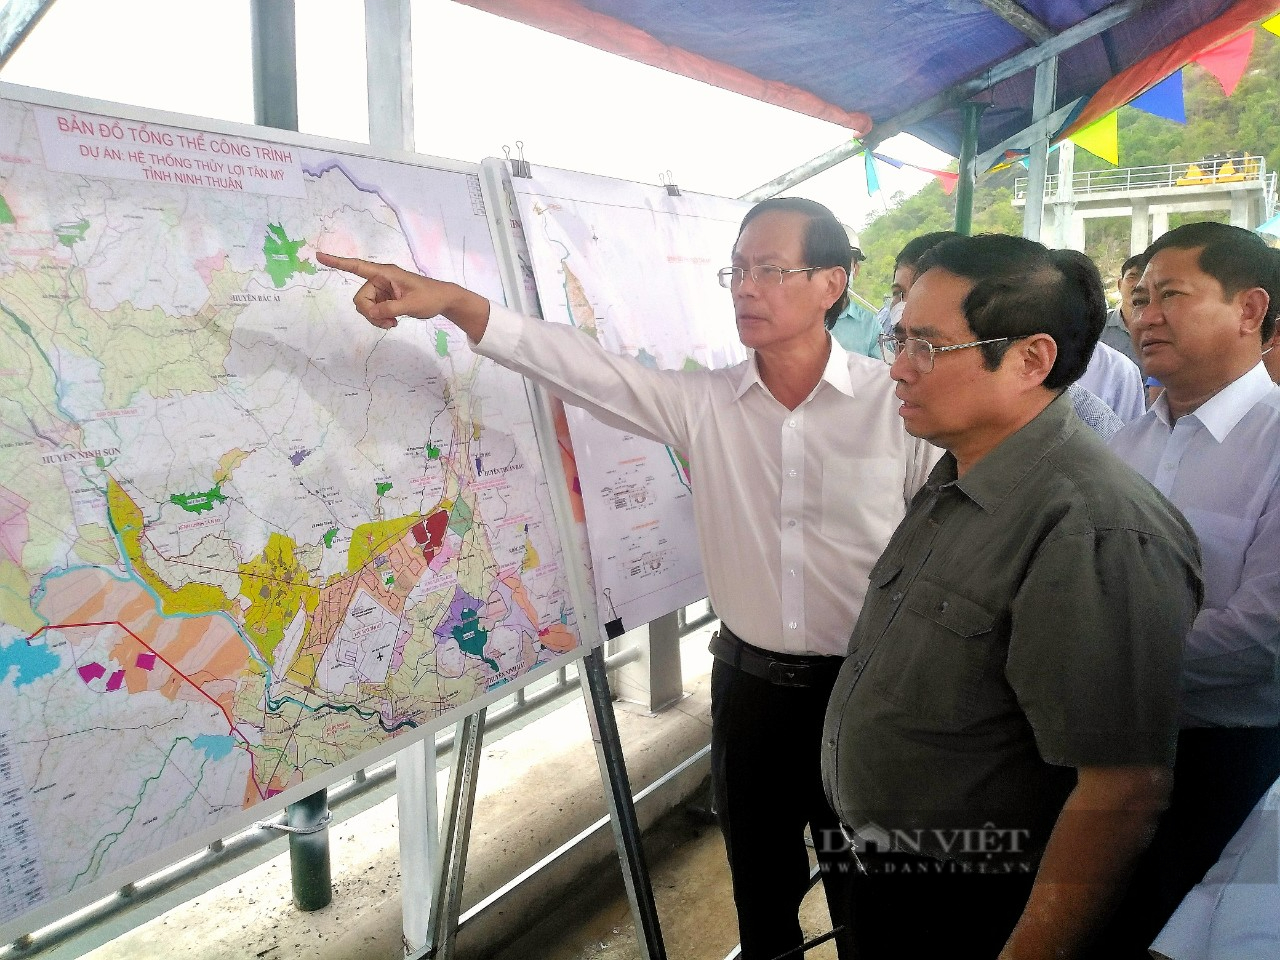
{"x":365,"y":269}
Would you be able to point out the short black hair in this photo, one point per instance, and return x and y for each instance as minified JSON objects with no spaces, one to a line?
{"x":1138,"y":260}
{"x":825,"y":242}
{"x":1022,"y":288}
{"x":909,"y":256}
{"x":1238,"y":259}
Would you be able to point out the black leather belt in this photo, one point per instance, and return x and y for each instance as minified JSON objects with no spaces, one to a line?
{"x":780,"y":669}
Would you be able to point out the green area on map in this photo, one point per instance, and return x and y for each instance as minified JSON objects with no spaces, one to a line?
{"x":200,"y":501}
{"x":282,"y":255}
{"x":70,"y":233}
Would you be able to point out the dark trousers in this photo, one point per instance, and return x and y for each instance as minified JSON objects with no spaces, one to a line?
{"x":908,"y":906}
{"x":765,"y":753}
{"x":1219,"y":776}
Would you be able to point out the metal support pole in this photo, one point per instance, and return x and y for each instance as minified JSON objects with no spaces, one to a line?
{"x":1042,"y":105}
{"x":308,"y":822}
{"x":442,"y":927}
{"x":622,"y":810}
{"x":275,"y":63}
{"x":1065,"y":204}
{"x":389,"y":66}
{"x":419,"y":833}
{"x":19,"y":20}
{"x":654,"y":681}
{"x":968,"y":171}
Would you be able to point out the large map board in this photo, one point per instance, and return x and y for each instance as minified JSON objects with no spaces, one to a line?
{"x":247,"y":540}
{"x":634,"y":266}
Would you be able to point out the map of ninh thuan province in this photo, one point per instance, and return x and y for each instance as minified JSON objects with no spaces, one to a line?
{"x":245,"y":537}
{"x":635,"y":268}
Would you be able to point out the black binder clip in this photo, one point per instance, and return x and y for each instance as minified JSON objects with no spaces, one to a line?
{"x":668,"y":181}
{"x":519,"y":166}
{"x":614,"y":628}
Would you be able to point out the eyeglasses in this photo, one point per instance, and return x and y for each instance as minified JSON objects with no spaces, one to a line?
{"x":766,"y":274}
{"x":920,"y":352}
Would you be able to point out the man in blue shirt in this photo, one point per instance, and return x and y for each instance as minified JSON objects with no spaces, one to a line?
{"x":857,"y":329}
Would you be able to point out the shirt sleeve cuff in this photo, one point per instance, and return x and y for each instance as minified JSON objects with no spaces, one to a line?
{"x":502,"y":335}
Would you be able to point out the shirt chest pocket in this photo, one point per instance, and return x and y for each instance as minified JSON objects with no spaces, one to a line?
{"x":943,"y":662}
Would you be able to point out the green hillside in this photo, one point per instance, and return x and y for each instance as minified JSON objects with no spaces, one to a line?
{"x":1215,"y":124}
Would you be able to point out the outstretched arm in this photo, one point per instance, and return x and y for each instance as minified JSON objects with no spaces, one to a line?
{"x":390,"y":292}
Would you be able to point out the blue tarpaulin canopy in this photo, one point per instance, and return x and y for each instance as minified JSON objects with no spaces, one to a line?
{"x":880,"y":67}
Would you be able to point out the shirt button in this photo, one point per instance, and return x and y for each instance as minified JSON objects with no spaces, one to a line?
{"x":791,"y":423}
{"x":791,"y":473}
{"x":792,"y":625}
{"x":897,"y":597}
{"x":792,"y":572}
{"x":791,"y":523}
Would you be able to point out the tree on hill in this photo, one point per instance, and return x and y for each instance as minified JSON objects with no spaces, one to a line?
{"x":1216,"y":123}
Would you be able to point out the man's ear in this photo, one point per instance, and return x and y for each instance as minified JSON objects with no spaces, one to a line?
{"x":1037,"y":354}
{"x":1253,"y":308}
{"x":837,"y":282}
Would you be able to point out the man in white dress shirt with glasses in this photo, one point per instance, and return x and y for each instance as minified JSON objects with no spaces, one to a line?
{"x":801,"y":471}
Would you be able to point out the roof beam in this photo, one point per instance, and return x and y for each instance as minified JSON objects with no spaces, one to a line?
{"x":1040,"y":129}
{"x":1084,"y":30}
{"x":1013,"y":14}
{"x":883,"y":130}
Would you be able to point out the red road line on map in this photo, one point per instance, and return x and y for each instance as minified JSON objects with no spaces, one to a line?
{"x":164,"y":660}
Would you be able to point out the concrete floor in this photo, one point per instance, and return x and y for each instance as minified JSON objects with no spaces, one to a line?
{"x":538,"y":786}
{"x":695,"y":906}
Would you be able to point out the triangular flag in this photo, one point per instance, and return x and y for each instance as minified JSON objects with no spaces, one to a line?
{"x":1101,"y":138}
{"x":1272,"y":25}
{"x":945,"y":177}
{"x":873,"y":182}
{"x":896,"y":164}
{"x":1227,"y":61}
{"x":1164,"y":99}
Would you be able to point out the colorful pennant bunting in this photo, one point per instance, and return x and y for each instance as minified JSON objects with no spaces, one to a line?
{"x":1164,"y":99}
{"x":1272,"y":25}
{"x":945,"y":177}
{"x":1101,"y":138}
{"x":898,"y":164}
{"x":873,"y":182}
{"x":1228,"y":61}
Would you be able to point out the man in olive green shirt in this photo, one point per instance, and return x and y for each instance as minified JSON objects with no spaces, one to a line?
{"x":1000,"y":738}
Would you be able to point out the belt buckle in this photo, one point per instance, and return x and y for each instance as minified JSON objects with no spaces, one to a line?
{"x":787,"y":674}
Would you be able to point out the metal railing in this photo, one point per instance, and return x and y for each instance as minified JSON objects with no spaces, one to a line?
{"x":560,"y":685}
{"x":1246,"y":169}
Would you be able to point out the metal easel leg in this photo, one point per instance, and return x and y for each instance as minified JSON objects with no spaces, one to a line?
{"x":442,"y":929}
{"x":622,"y":810}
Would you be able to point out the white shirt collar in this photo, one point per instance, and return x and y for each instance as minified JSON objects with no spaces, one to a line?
{"x":1221,"y":412}
{"x":836,"y":372}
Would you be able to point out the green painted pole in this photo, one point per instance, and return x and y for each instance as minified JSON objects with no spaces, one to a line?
{"x":308,"y":822}
{"x":968,"y":172}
